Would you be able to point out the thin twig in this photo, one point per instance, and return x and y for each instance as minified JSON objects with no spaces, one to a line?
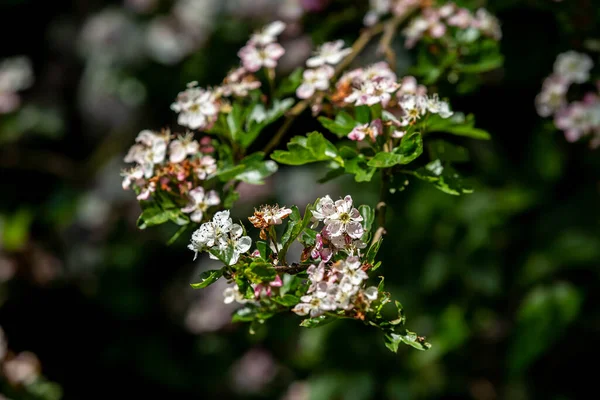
{"x":299,"y":108}
{"x":291,"y":269}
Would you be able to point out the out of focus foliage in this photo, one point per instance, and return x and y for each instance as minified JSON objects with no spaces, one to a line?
{"x":503,"y":281}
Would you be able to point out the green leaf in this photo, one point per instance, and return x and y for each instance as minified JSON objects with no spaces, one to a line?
{"x":358,"y":166}
{"x":393,"y":340}
{"x":341,"y":126}
{"x":458,"y":125}
{"x":207,"y":278}
{"x":317,"y":321}
{"x":177,"y":234}
{"x":235,"y":121}
{"x":294,"y":228}
{"x":259,"y":118}
{"x":444,"y":178}
{"x":290,"y":83}
{"x":263,"y":249}
{"x":410,"y":148}
{"x":543,"y":317}
{"x":14,"y":230}
{"x":224,"y":255}
{"x":303,"y":150}
{"x":230,"y":199}
{"x":256,"y":173}
{"x":260,"y":272}
{"x":372,"y":252}
{"x":440,"y":149}
{"x":363,"y":114}
{"x":287,"y":300}
{"x":368,"y":215}
{"x":154,"y":215}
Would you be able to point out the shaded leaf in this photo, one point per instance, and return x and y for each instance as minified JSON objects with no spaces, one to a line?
{"x":207,"y":278}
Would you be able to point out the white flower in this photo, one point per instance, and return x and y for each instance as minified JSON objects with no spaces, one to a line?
{"x":315,"y":304}
{"x":573,"y":66}
{"x":147,"y":191}
{"x":197,"y":108}
{"x":351,"y":268}
{"x":373,"y":92}
{"x":314,"y":79}
{"x":207,"y":167}
{"x":371,"y":293}
{"x":150,"y":149}
{"x":329,"y":53}
{"x":372,"y":130}
{"x":273,"y":215}
{"x":414,"y":107}
{"x":232,"y":294}
{"x":180,"y":148}
{"x":254,"y":58}
{"x":15,"y":74}
{"x":212,"y":234}
{"x":324,"y":208}
{"x":436,"y":106}
{"x":345,"y":219}
{"x":131,"y":176}
{"x":241,"y":244}
{"x":199,"y":203}
{"x":553,"y":95}
{"x":268,"y":34}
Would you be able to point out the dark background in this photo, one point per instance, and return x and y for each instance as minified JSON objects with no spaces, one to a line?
{"x":504,"y":282}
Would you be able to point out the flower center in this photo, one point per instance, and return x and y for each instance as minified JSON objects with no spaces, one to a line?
{"x":345,"y":218}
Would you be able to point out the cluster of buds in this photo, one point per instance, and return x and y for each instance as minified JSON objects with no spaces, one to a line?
{"x":577,"y":119}
{"x":320,"y":71}
{"x":337,"y":286}
{"x":16,"y":74}
{"x":172,"y":163}
{"x":436,"y":23}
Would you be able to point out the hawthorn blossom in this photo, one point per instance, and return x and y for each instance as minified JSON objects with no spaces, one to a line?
{"x":319,"y":251}
{"x":553,"y":95}
{"x":232,"y":294}
{"x":269,"y":215}
{"x":199,"y":202}
{"x":254,"y":58}
{"x":150,"y":149}
{"x":462,"y":18}
{"x":436,"y":106}
{"x":409,"y":85}
{"x":576,"y":120}
{"x":329,"y":53}
{"x":266,"y":288}
{"x":147,"y":191}
{"x":345,"y":219}
{"x":323,"y":209}
{"x":487,"y":24}
{"x":268,"y":34}
{"x":197,"y":108}
{"x":372,"y":130}
{"x":373,"y":92}
{"x":351,"y":268}
{"x":315,"y":304}
{"x":131,"y":175}
{"x":573,"y":66}
{"x":180,"y":148}
{"x":206,"y":167}
{"x":414,"y":107}
{"x":313,"y":80}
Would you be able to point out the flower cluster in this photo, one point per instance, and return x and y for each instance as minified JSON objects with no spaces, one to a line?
{"x":436,"y":22}
{"x":268,"y":216}
{"x":16,"y":74}
{"x":320,"y":72}
{"x":342,"y":230}
{"x":577,"y":119}
{"x":221,"y":234}
{"x":338,"y":286}
{"x":262,"y":50}
{"x":174,"y":164}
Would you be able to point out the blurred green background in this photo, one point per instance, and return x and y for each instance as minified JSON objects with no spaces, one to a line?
{"x":504,"y":282}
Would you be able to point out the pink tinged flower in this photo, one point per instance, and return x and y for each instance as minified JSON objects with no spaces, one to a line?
{"x":324,"y":208}
{"x":378,"y":71}
{"x":372,"y":130}
{"x":329,"y":53}
{"x":373,"y":92}
{"x":487,"y":24}
{"x":573,"y":66}
{"x":553,"y":95}
{"x":179,"y":149}
{"x":447,"y":10}
{"x":315,"y":79}
{"x":437,"y":30}
{"x":200,"y":202}
{"x":197,"y":108}
{"x":275,"y":215}
{"x":461,"y":19}
{"x":254,"y":58}
{"x":319,"y":251}
{"x":346,"y":219}
{"x":147,"y":191}
{"x":207,"y":167}
{"x":268,"y":34}
{"x":415,"y":30}
{"x":131,"y":175}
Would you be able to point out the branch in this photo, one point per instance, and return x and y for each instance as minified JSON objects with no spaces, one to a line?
{"x":291,"y":269}
{"x":299,"y":108}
